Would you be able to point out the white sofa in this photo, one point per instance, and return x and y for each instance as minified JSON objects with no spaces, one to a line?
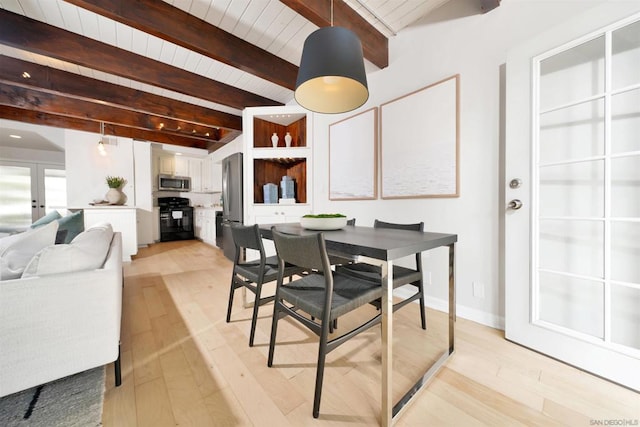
{"x":56,"y":325}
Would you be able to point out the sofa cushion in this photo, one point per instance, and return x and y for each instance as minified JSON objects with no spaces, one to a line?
{"x":51,"y":216}
{"x":87,"y":251}
{"x":17,"y":250}
{"x":73,"y":223}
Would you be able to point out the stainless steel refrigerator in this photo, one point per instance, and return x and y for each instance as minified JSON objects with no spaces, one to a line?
{"x":232,"y":191}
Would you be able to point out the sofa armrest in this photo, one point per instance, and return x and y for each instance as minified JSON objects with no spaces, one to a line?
{"x":57,"y":325}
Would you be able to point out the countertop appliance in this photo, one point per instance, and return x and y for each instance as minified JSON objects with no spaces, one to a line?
{"x":174,"y":183}
{"x":232,"y":191}
{"x":176,"y":219}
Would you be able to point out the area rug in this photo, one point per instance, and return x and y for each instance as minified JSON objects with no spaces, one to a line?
{"x":72,"y":401}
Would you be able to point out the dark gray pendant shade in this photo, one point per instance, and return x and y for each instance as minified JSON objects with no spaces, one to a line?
{"x":331,"y":78}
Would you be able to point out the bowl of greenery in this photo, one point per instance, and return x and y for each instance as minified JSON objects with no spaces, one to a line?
{"x":323,"y":221}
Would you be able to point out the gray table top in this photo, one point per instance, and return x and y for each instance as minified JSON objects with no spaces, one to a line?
{"x":379,"y":243}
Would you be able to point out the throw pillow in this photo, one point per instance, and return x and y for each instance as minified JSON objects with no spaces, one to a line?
{"x":73,"y":223}
{"x":17,"y":250}
{"x":51,"y":216}
{"x":87,"y":251}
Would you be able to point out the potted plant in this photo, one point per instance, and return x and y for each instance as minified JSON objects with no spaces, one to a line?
{"x":115,"y":196}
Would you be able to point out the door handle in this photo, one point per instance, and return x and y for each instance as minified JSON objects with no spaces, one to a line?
{"x":515,"y":204}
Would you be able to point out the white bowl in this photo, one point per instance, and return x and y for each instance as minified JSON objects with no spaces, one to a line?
{"x":323,"y":223}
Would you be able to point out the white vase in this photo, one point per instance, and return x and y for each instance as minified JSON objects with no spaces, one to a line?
{"x":114,"y":196}
{"x":274,"y":140}
{"x":287,"y":139}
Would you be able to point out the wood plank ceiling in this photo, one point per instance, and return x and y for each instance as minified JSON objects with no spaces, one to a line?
{"x":175,"y":71}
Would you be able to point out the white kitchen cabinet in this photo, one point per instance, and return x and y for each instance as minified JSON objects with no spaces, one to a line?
{"x":216,"y":177}
{"x":205,"y":225}
{"x":211,"y":175}
{"x":181,"y":167}
{"x":264,"y":163}
{"x":207,"y":170}
{"x":166,"y":164}
{"x":195,"y":173}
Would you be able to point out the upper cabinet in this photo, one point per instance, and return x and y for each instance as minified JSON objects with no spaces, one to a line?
{"x":206,"y":176}
{"x":277,"y":145}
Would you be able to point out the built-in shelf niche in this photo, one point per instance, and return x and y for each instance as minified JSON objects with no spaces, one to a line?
{"x":264,"y":129}
{"x":272,"y":170}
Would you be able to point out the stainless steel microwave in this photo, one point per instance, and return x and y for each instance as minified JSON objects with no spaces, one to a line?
{"x":174,"y":183}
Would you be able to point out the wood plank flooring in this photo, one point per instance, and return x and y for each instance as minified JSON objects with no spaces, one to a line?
{"x":182,"y":364}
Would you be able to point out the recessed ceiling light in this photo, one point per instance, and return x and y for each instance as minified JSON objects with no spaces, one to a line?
{"x":178,"y":154}
{"x":15,"y":136}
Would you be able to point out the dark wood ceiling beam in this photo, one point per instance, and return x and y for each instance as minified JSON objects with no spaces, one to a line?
{"x":172,"y":24}
{"x":55,"y":120}
{"x":28,"y":34}
{"x":374,"y":44}
{"x":69,"y":84}
{"x":31,"y":99}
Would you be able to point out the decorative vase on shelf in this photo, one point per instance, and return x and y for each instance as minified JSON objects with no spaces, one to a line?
{"x":287,"y":139}
{"x":274,"y":140}
{"x":114,"y":196}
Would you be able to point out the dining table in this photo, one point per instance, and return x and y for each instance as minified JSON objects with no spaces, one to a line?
{"x":382,"y":247}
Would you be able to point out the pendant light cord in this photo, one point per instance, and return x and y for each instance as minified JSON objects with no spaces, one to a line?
{"x":332,"y":13}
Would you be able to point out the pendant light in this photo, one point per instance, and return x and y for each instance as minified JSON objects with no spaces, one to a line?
{"x":331,"y":78}
{"x":101,"y":148}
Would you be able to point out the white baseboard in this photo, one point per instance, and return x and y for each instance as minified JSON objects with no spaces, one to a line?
{"x":473,"y":314}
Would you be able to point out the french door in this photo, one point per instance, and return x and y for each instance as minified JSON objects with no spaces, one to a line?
{"x":29,"y":191}
{"x":572,"y":241}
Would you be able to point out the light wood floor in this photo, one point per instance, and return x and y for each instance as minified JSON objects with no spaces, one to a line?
{"x":184,"y":365}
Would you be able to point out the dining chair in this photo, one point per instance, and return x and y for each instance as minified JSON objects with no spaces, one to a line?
{"x":323,"y":295}
{"x":401,"y":275}
{"x":253,"y":274}
{"x":339,"y":259}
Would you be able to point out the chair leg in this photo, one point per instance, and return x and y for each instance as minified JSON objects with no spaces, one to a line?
{"x":423,"y":315}
{"x":233,"y":289}
{"x":322,"y":355}
{"x":116,"y":369}
{"x":254,"y":318}
{"x":274,"y":328}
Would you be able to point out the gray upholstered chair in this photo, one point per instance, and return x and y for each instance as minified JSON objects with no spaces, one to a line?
{"x":253,"y":274}
{"x":323,"y":295}
{"x":401,"y":275}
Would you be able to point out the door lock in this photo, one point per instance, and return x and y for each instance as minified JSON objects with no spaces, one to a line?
{"x":515,"y":183}
{"x":515,"y":204}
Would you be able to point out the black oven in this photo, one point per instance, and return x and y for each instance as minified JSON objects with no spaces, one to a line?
{"x":176,"y":219}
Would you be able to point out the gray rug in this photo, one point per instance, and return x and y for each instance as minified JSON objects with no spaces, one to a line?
{"x":72,"y":401}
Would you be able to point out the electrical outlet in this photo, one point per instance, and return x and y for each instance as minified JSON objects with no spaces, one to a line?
{"x":478,"y":289}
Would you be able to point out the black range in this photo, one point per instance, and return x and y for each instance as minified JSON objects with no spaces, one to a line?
{"x":176,"y":219}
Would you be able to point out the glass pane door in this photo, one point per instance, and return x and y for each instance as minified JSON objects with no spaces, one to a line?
{"x":586,"y":240}
{"x":55,"y":189}
{"x":29,"y":191}
{"x":16,"y":197}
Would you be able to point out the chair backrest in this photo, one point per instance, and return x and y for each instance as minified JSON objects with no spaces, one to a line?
{"x":247,"y":237}
{"x":411,"y":227}
{"x":351,"y":221}
{"x":308,"y":251}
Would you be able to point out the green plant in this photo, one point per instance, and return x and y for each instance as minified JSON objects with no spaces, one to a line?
{"x":116,"y":181}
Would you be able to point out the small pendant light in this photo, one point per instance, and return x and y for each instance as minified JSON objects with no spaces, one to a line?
{"x":331,"y":78}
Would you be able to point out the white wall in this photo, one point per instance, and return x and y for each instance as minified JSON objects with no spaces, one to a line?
{"x":455,"y":39}
{"x":87,"y":169}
